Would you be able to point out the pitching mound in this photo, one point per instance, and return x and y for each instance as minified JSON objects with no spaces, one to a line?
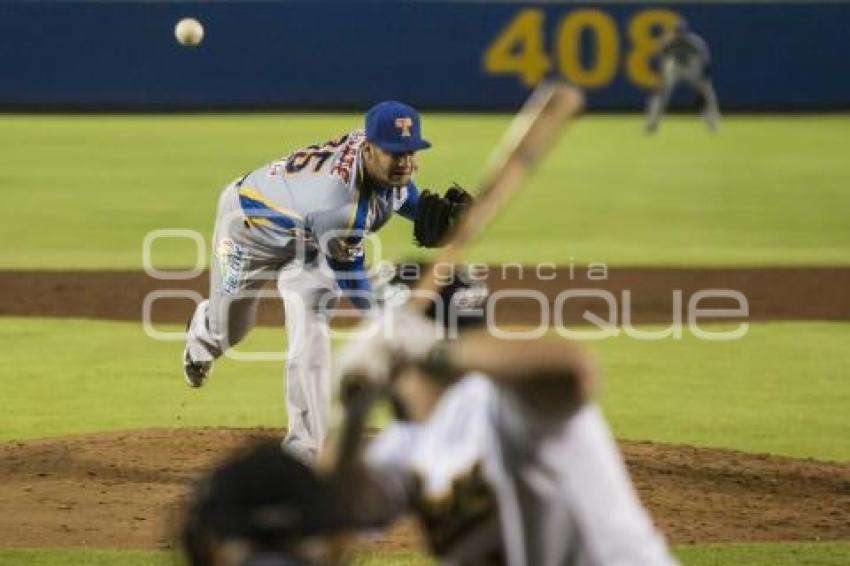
{"x":123,"y":490}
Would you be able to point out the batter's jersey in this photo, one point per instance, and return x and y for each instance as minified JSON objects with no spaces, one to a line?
{"x":320,"y":193}
{"x":492,"y":487}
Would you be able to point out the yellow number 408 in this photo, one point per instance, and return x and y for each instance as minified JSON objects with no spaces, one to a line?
{"x":519,"y":48}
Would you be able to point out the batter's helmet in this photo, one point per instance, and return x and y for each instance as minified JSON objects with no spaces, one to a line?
{"x":261,"y":507}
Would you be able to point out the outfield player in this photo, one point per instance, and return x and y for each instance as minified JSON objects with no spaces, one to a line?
{"x":683,"y":57}
{"x":504,"y":456}
{"x":301,"y":222}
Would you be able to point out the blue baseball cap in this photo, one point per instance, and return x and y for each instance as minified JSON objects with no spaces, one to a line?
{"x":395,"y":127}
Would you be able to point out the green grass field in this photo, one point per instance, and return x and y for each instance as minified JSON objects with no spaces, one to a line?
{"x":83,"y":191}
{"x":780,"y":389}
{"x":777,"y":554}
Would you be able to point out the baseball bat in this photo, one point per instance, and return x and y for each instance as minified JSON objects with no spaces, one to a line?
{"x":532,"y":133}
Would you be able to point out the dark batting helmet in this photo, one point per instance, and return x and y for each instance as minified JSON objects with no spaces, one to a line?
{"x":262,"y":507}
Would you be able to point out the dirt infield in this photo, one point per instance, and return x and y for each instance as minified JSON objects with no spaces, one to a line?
{"x":122,"y":490}
{"x":771,"y":293}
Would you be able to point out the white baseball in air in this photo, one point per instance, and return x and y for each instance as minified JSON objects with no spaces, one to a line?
{"x":189,"y":32}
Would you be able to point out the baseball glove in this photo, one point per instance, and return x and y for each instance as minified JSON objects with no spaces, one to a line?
{"x":436,"y":215}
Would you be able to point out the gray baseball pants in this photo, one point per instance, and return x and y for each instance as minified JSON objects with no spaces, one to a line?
{"x":245,"y":258}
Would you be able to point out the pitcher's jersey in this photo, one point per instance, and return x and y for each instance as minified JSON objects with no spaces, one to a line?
{"x":319,"y":193}
{"x":489,"y":487}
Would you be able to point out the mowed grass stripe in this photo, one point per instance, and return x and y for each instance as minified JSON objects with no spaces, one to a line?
{"x":752,"y":554}
{"x":781,"y":389}
{"x":84,"y":190}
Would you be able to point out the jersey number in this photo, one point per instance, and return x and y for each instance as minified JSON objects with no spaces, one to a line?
{"x":316,"y":154}
{"x":300,"y":159}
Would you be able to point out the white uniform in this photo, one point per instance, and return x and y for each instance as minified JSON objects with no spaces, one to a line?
{"x":685,"y":58}
{"x":299,"y":221}
{"x":491,"y":486}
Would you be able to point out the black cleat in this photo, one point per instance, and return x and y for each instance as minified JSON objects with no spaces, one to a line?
{"x":195,"y":372}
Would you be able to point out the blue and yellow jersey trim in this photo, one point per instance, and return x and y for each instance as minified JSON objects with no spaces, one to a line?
{"x":261,"y":211}
{"x":359,"y":215}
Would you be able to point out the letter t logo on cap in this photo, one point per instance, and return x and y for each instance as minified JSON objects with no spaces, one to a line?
{"x":404,"y":124}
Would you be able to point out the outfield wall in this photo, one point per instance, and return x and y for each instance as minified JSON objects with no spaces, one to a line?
{"x":468,"y":55}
